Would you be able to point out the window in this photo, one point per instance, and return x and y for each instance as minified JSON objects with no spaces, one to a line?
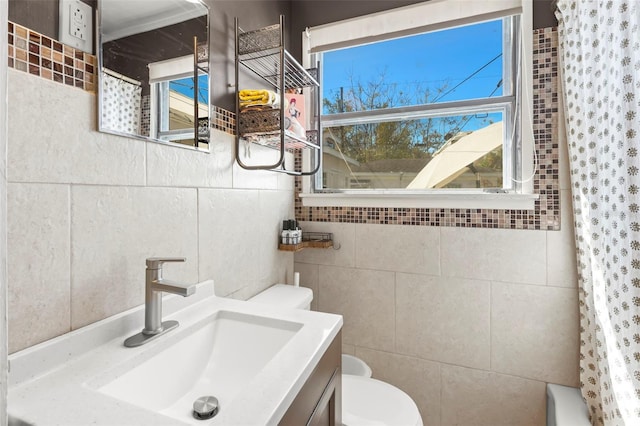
{"x":173,"y":91}
{"x":176,"y":109}
{"x":419,"y":108}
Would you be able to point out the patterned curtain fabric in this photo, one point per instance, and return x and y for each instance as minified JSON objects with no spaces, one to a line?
{"x":121,"y":105}
{"x":600,"y":56}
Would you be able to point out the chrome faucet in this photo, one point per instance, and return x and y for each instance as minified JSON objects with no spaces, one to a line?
{"x":155,"y":285}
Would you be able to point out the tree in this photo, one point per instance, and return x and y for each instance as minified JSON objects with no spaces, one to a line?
{"x":392,"y":139}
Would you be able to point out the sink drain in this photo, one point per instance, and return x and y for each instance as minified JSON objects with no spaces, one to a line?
{"x":205,"y":407}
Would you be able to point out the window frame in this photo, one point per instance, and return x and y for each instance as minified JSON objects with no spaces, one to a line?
{"x":434,"y":15}
{"x":161,"y":74}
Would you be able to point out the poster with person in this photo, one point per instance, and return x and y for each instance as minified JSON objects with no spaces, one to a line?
{"x":294,"y":116}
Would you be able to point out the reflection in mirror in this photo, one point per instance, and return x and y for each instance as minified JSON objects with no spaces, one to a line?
{"x":154,"y":79}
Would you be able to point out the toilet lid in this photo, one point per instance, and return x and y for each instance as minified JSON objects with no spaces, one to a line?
{"x":369,"y":402}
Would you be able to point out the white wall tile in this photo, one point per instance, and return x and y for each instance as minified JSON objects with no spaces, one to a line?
{"x":287,"y":182}
{"x":365,"y":299}
{"x":114,"y":229}
{"x":480,"y":398}
{"x":420,"y":379}
{"x":256,"y":179}
{"x":344,"y":237}
{"x":276,"y":266}
{"x":38,"y":263}
{"x":443,"y":319}
{"x":494,"y":254}
{"x":348,"y":349}
{"x":398,"y":248}
{"x":63,"y":146}
{"x":562,"y":269}
{"x":171,"y":166}
{"x":535,"y":332}
{"x":229,"y":229}
{"x":239,"y":231}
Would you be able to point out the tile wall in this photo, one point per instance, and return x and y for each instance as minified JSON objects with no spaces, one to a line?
{"x":469,"y":312}
{"x":86,"y":208}
{"x":79,"y":200}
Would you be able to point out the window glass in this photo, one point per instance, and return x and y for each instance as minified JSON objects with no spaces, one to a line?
{"x":432,"y":110}
{"x":176,"y":105}
{"x":416,"y":154}
{"x":181,"y":98}
{"x":441,"y":66}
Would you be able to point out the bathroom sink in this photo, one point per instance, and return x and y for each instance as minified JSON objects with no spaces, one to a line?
{"x":218,"y":356}
{"x":253,"y":358}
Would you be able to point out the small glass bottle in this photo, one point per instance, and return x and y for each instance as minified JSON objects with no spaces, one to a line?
{"x":284,"y":236}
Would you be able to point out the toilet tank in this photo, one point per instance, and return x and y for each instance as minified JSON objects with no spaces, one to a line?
{"x":285,"y":296}
{"x":565,"y":407}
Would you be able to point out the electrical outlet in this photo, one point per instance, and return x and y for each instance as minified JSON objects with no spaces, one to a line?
{"x":76,"y":29}
{"x":78,"y":22}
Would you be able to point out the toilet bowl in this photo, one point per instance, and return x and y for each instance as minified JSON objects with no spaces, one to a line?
{"x":365,"y":401}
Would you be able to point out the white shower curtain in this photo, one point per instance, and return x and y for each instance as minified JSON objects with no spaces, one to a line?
{"x":600,"y":57}
{"x":121,"y":105}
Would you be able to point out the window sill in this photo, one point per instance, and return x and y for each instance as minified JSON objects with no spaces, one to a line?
{"x":436,"y":199}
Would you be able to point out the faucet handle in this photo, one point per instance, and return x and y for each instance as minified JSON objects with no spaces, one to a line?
{"x":156,"y":262}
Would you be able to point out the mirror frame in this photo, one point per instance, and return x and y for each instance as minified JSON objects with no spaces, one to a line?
{"x":100,"y":85}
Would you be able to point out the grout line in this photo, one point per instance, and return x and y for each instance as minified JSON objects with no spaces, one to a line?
{"x":490,"y":325}
{"x":395,"y":312}
{"x":441,"y":389}
{"x":70,"y":218}
{"x":198,"y":254}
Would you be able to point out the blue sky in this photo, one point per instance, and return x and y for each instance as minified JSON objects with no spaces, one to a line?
{"x":429,"y":60}
{"x":185,"y":86}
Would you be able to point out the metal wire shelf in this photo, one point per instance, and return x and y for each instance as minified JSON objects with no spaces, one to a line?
{"x":266,"y":64}
{"x":263,"y":53}
{"x":292,"y":142}
{"x":311,"y":240}
{"x":259,"y":50}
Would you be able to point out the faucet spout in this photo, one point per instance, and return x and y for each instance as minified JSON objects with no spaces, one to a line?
{"x":173,"y":287}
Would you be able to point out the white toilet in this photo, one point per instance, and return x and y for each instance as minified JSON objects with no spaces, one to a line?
{"x":365,"y":401}
{"x":355,"y":366}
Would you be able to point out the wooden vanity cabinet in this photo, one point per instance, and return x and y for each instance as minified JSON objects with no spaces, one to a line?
{"x":319,"y":402}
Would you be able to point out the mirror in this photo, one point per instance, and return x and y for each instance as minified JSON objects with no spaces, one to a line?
{"x":154,"y":79}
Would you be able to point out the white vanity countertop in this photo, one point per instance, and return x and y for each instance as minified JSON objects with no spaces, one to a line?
{"x":54,"y":383}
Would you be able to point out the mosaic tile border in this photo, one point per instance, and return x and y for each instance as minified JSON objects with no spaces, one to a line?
{"x":223,"y":120}
{"x":546,"y":213}
{"x":42,"y":56}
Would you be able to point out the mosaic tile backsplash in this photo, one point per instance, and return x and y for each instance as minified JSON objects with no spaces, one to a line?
{"x":545,"y":215}
{"x":47,"y":58}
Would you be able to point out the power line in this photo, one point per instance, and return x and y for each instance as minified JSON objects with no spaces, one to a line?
{"x":405,"y":83}
{"x":468,"y":78}
{"x":499,"y":85}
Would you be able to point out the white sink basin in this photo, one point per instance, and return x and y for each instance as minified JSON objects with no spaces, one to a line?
{"x":218,"y":356}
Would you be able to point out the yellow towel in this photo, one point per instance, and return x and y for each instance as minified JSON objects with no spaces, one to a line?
{"x":254,"y":95}
{"x":257,"y":97}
